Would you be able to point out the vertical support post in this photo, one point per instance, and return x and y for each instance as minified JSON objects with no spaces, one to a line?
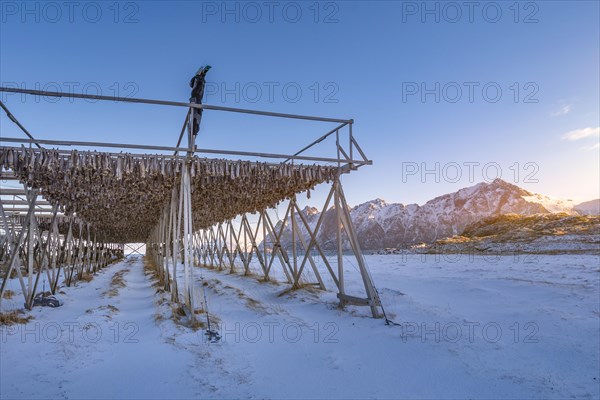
{"x":164,"y":241}
{"x":187,"y":237}
{"x":372,"y":296}
{"x":65,"y":255}
{"x":245,"y":250}
{"x":350,"y":143}
{"x":340,"y":249}
{"x":30,"y":238}
{"x":231,"y":236}
{"x":264,"y":243}
{"x":295,"y":261}
{"x":195,"y":115}
{"x":174,"y":244}
{"x":184,"y":209}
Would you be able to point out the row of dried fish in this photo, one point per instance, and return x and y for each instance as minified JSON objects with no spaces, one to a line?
{"x":135,"y":166}
{"x":122,"y":195}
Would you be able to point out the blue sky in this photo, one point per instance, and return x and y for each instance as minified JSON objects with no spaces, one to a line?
{"x":395,"y":67}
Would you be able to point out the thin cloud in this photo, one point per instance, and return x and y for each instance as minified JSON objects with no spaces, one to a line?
{"x":563,"y":111}
{"x":578,"y":134}
{"x":592,"y":147}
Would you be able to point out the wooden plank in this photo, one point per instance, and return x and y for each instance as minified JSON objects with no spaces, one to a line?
{"x":357,"y":301}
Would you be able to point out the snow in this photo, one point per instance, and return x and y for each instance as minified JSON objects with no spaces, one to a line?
{"x":300,"y":345}
{"x":552,"y":204}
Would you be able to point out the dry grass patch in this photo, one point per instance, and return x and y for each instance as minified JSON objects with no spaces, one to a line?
{"x":180,"y":317}
{"x":14,"y":317}
{"x":252,"y":303}
{"x":178,"y":310}
{"x":117,"y":282}
{"x":111,"y":308}
{"x":13,"y":273}
{"x":8,"y":294}
{"x":86,"y":277}
{"x":150,"y":270}
{"x":195,"y":324}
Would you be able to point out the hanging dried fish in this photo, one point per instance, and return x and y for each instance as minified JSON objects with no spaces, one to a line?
{"x":123,"y":195}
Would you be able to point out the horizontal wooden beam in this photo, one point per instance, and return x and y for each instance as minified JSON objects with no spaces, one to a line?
{"x":25,"y":209}
{"x":357,"y":301}
{"x":169,"y":103}
{"x":23,"y":202}
{"x":12,"y":192}
{"x":37,"y":216}
{"x":197,"y":150}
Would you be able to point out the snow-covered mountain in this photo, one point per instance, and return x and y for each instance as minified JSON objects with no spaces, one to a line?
{"x":380,"y":224}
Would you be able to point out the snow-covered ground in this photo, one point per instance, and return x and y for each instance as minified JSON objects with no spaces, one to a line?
{"x":470,"y":327}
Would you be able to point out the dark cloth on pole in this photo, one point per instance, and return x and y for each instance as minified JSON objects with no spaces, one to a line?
{"x":197,"y":84}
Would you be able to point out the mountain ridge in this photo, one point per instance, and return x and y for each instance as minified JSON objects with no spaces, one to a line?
{"x":380,"y":224}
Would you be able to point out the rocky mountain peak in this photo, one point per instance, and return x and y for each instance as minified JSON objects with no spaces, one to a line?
{"x":309,"y":211}
{"x":380,"y":224}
